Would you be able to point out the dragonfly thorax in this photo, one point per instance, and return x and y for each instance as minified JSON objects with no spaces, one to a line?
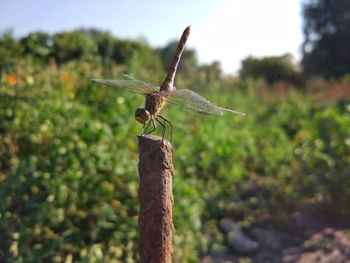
{"x":154,"y":103}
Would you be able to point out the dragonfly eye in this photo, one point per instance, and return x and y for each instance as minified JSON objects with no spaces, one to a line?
{"x":142,"y":115}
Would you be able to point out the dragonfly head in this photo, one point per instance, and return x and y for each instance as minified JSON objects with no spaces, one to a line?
{"x":142,"y":115}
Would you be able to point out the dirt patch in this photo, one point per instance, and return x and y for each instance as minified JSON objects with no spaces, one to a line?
{"x":313,"y":235}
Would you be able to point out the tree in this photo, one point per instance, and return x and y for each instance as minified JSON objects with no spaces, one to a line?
{"x":10,"y":49}
{"x":105,"y":43}
{"x":271,"y":69}
{"x":188,"y":63}
{"x":327,"y":37}
{"x":73,"y":45}
{"x":210,"y":72}
{"x":37,"y":44}
{"x":139,"y":57}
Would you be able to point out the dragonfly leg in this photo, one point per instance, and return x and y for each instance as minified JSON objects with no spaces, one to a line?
{"x":144,"y":128}
{"x":164,"y":128}
{"x":154,"y":126}
{"x":171,"y":127}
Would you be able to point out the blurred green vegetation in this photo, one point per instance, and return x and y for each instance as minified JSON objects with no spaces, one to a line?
{"x":271,"y":69}
{"x":68,"y":150}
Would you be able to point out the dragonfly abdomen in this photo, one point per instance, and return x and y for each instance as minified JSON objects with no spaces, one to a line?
{"x":168,"y":84}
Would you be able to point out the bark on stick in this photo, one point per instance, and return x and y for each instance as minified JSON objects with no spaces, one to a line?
{"x":156,"y":200}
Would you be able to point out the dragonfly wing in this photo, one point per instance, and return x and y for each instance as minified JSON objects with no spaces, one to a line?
{"x":188,"y":99}
{"x":232,"y":110}
{"x":136,"y":80}
{"x":131,"y":85}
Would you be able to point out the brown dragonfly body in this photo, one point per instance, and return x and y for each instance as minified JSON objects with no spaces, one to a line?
{"x":155,"y":101}
{"x":156,"y":97}
{"x":168,"y":83}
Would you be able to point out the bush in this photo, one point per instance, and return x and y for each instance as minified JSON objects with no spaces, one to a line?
{"x":68,"y":163}
{"x":271,"y":69}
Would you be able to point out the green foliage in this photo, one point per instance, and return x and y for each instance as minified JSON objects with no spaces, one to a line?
{"x":270,"y":69}
{"x":139,"y":57}
{"x":63,"y":187}
{"x":327,"y":37}
{"x":324,"y":148}
{"x":73,"y":45}
{"x":105,"y":43}
{"x":10,"y":49}
{"x":188,"y":63}
{"x":68,"y":154}
{"x":38,"y":45}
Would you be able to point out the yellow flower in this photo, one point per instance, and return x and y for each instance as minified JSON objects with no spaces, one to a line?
{"x":70,"y":94}
{"x":68,"y":82}
{"x":30,"y":80}
{"x":65,"y":77}
{"x":120,"y":100}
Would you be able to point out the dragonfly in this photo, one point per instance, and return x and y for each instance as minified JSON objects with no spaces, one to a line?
{"x":158,"y":96}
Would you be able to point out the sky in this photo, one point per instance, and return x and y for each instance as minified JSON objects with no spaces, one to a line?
{"x":222,"y":30}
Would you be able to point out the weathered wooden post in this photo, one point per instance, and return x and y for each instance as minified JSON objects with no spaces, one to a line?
{"x":156,"y":200}
{"x":156,"y":180}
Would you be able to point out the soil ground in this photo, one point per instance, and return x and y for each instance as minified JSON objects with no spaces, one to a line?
{"x":313,"y":235}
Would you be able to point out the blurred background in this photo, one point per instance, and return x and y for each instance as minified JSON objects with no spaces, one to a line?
{"x":273,"y":186}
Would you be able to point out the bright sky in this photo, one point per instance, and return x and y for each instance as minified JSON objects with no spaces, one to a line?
{"x":222,"y":30}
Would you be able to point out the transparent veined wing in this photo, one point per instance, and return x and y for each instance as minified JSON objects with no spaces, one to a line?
{"x":188,"y":99}
{"x":130,"y":85}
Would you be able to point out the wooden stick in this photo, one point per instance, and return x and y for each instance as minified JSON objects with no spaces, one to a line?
{"x":156,"y":200}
